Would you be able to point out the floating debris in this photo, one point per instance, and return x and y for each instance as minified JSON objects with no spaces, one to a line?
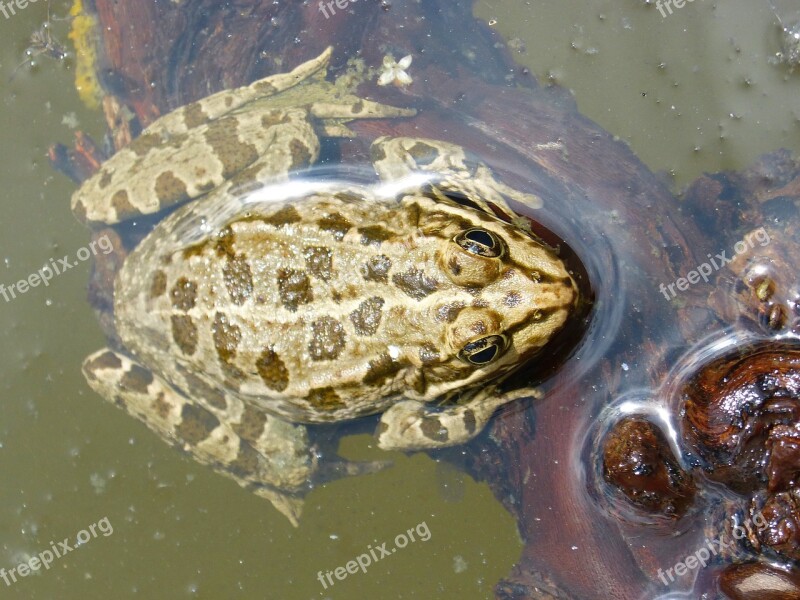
{"x":395,"y":72}
{"x":789,"y":42}
{"x":42,"y":43}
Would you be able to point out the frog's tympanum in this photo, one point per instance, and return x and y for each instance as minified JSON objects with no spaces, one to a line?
{"x":242,"y":321}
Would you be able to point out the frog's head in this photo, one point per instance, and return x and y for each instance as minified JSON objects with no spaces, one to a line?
{"x":506,"y":295}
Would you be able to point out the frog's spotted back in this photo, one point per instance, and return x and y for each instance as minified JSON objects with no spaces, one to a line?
{"x":331,"y":308}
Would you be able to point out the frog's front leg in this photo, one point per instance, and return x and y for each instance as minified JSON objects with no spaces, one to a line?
{"x":412,"y":425}
{"x":452,"y":171}
{"x":258,"y":451}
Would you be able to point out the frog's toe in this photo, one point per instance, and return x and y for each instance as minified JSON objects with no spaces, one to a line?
{"x":288,"y":505}
{"x":412,"y":425}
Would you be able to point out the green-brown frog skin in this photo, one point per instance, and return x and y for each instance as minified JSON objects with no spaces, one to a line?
{"x":329,"y":309}
{"x":337,"y":306}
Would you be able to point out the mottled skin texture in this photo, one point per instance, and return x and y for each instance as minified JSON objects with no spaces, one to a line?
{"x":281,"y":304}
{"x":261,"y":306}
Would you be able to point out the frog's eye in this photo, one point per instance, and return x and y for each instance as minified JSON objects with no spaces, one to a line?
{"x":484,"y":350}
{"x":480,"y":242}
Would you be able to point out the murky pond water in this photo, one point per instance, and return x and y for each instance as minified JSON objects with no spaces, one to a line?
{"x":691,"y":91}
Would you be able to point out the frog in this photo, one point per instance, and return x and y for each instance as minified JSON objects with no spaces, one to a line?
{"x":263,"y":303}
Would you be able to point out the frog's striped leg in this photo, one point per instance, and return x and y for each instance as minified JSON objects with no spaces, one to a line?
{"x":237,"y":136}
{"x":398,"y":157}
{"x":413,"y":425}
{"x":145,"y":180}
{"x":259,"y":452}
{"x":216,"y":105}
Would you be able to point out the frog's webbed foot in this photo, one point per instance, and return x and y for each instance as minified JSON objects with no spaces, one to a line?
{"x":397,"y":157}
{"x":260,"y":452}
{"x":413,"y":425}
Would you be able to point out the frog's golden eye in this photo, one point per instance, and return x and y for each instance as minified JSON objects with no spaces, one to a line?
{"x":484,"y":350}
{"x":481,"y":242}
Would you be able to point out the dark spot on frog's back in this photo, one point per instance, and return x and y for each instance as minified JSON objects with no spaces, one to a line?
{"x":274,"y":117}
{"x":374,"y":235}
{"x":137,"y":379}
{"x":226,"y":336}
{"x":183,"y":294}
{"x":79,"y":210}
{"x":197,"y":423}
{"x":235,"y":155}
{"x":272,"y":370}
{"x":184,"y":332}
{"x":197,"y":388}
{"x":336,"y":224}
{"x":161,"y":407}
{"x":284,"y":216}
{"x":447,"y":313}
{"x":428,"y":354}
{"x":251,"y":424}
{"x":122,"y":204}
{"x":377,"y":269}
{"x":107,"y":360}
{"x":367,"y":317}
{"x":144,"y":143}
{"x":423,"y":153}
{"x":264,"y":88}
{"x":319,"y":261}
{"x":325,"y":399}
{"x":246,"y":462}
{"x":301,"y":155}
{"x":377,"y":153}
{"x":432,"y":429}
{"x":159,"y":284}
{"x":294,"y":288}
{"x":238,"y":279}
{"x":415,"y":283}
{"x":193,"y":115}
{"x":224,"y":242}
{"x":381,"y":369}
{"x":469,"y":420}
{"x":327,"y":339}
{"x":105,"y":179}
{"x":170,"y":189}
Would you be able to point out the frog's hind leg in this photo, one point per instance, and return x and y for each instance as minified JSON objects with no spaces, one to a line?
{"x":221,"y":103}
{"x":258,"y":451}
{"x":413,"y":425}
